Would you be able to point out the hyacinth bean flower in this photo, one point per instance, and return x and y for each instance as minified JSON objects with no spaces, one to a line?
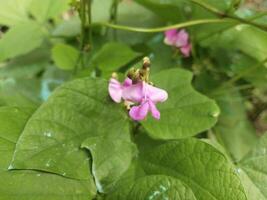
{"x":146,"y":96}
{"x":178,"y":39}
{"x":142,"y":94}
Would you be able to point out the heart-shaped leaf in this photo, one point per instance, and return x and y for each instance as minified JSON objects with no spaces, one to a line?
{"x":53,"y":135}
{"x":28,"y":184}
{"x":153,"y":187}
{"x":186,"y":112}
{"x":111,"y":158}
{"x":253,"y":170}
{"x":199,"y":165}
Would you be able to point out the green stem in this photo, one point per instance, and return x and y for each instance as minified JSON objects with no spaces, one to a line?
{"x":165,"y":28}
{"x":89,"y":22}
{"x":231,"y":26}
{"x":114,"y":15}
{"x":225,"y":15}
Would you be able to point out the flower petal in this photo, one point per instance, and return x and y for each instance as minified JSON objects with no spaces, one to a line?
{"x":127,"y":82}
{"x":186,"y":50}
{"x":154,"y":111}
{"x":156,"y":94}
{"x":133,"y":93}
{"x":182,"y":38}
{"x":170,"y":36}
{"x":139,"y":113}
{"x":115,"y":90}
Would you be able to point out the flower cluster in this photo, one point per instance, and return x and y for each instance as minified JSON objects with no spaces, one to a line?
{"x":178,"y":39}
{"x":137,"y":92}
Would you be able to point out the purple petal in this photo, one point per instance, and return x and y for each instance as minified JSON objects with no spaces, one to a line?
{"x":170,"y":36}
{"x":127,"y":82}
{"x":115,"y":90}
{"x":133,"y":93}
{"x":139,"y":113}
{"x":186,"y":50}
{"x":154,"y":111}
{"x":182,"y":38}
{"x":156,"y":94}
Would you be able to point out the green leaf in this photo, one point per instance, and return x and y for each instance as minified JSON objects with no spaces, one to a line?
{"x":113,"y":55}
{"x":249,"y":40}
{"x":169,"y":10}
{"x":28,"y":184}
{"x":153,"y":187}
{"x":111,"y":158}
{"x":21,"y":39}
{"x":65,"y":56}
{"x":68,"y":28}
{"x":254,"y":165}
{"x":233,"y":128}
{"x":20,"y":92}
{"x":199,"y":165}
{"x":185,"y":113}
{"x":75,"y":111}
{"x":14,"y":11}
{"x":253,"y":72}
{"x":45,"y":9}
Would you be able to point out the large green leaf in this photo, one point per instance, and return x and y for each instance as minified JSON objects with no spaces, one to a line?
{"x":234,"y":129}
{"x":20,"y":40}
{"x":14,"y":11}
{"x":186,"y":112}
{"x":65,"y":56}
{"x":199,"y":165}
{"x":113,"y":55}
{"x":28,"y":184}
{"x":75,"y":111}
{"x":253,"y":169}
{"x":45,"y":9}
{"x":111,"y":158}
{"x":156,"y":187}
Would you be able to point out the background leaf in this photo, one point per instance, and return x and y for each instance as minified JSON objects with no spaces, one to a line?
{"x":45,"y":9}
{"x":65,"y":56}
{"x":14,"y":11}
{"x":112,"y":56}
{"x":21,"y":39}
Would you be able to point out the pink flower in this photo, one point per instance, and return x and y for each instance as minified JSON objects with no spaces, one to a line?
{"x":142,"y":94}
{"x":147,"y":96}
{"x":178,"y":39}
{"x":115,"y":88}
